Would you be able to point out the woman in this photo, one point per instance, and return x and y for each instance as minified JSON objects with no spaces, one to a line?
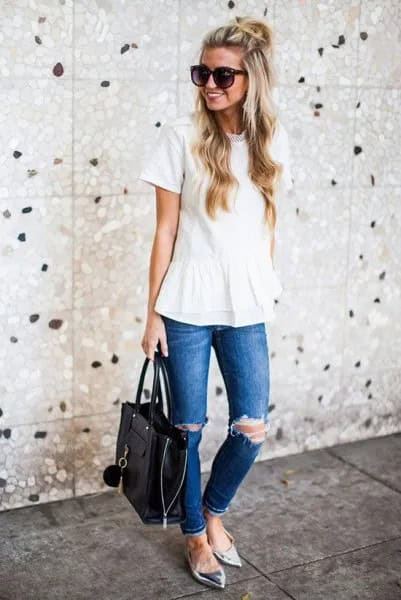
{"x":217,"y":173}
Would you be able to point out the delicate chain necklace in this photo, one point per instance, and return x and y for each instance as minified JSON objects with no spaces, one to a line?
{"x":236,"y":137}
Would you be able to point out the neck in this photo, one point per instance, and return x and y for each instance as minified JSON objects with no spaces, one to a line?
{"x":230,"y":122}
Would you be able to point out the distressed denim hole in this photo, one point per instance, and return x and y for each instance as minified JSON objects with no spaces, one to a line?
{"x":253,"y":428}
{"x":191,"y":427}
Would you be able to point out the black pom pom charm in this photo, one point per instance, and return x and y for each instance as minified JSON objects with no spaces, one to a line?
{"x":111,"y":475}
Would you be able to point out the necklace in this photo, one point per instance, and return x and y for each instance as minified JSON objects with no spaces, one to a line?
{"x":236,"y":137}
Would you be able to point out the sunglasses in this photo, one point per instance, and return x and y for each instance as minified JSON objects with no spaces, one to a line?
{"x":223,"y":76}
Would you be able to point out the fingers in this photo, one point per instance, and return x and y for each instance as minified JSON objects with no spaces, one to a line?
{"x":150,"y":346}
{"x":163,"y":346}
{"x":154,"y":338}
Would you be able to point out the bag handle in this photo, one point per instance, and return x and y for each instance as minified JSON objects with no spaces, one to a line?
{"x":155,"y":387}
{"x":163,"y":370}
{"x":156,"y":395}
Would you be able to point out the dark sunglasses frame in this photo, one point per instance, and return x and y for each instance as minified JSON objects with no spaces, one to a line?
{"x":215,"y":73}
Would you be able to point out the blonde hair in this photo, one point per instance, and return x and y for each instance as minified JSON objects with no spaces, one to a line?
{"x":212,"y":147}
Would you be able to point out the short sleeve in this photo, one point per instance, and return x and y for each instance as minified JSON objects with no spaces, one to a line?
{"x":164,"y":166}
{"x":282,"y":153}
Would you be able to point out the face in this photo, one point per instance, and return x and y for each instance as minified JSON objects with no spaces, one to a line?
{"x":220,"y":99}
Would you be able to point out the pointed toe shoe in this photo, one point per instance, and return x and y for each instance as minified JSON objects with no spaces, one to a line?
{"x":215,"y":579}
{"x":230,"y":556}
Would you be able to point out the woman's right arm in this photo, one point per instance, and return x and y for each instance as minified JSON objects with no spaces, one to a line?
{"x":167,"y":218}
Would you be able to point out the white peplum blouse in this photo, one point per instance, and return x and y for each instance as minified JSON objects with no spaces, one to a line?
{"x":221,"y":271}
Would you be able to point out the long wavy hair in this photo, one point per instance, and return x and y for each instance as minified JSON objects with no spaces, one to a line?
{"x":259,"y":119}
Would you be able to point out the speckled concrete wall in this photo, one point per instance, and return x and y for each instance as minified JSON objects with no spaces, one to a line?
{"x":84,"y":87}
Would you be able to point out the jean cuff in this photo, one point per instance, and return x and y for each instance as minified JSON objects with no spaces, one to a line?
{"x":196,"y":533}
{"x":214,"y":512}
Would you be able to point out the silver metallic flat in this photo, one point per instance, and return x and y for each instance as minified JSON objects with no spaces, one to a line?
{"x":230,"y":556}
{"x":215,"y":579}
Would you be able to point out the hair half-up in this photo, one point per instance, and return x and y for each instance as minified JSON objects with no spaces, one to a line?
{"x":259,"y":119}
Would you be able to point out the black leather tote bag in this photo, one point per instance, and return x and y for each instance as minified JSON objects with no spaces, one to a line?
{"x":151,"y":453}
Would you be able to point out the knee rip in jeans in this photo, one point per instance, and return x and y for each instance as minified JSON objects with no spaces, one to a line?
{"x":191,"y":427}
{"x":254,"y":429}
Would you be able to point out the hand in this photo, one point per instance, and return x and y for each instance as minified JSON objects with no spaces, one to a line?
{"x":155,"y":330}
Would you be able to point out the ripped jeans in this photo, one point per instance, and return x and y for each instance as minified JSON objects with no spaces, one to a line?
{"x":243,"y":359}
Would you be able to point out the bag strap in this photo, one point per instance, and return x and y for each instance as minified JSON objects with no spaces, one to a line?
{"x":155,"y":387}
{"x":156,"y":395}
{"x":163,"y":370}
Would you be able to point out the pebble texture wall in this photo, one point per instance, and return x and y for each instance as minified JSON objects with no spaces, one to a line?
{"x":84,"y":87}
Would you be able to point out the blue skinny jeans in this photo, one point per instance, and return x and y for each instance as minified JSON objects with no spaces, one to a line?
{"x":243,"y":359}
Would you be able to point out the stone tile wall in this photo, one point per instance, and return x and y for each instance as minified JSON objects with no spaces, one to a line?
{"x":84,"y":87}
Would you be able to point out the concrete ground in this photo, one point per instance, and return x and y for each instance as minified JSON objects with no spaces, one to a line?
{"x":324,"y":524}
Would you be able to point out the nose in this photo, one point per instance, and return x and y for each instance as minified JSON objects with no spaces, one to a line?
{"x":210,"y":85}
{"x":211,"y":79}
